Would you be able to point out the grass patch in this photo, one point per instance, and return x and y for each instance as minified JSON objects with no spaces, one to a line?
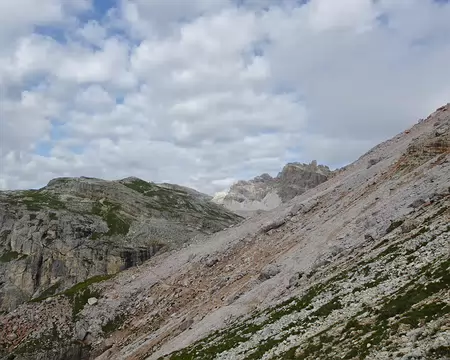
{"x":47,"y":293}
{"x":440,"y":279}
{"x":442,"y":351}
{"x":425,"y":313}
{"x":117,"y":225}
{"x":394,"y":225}
{"x":141,"y":186}
{"x":36,"y":200}
{"x":77,"y":294}
{"x":80,"y":293}
{"x":380,"y":244}
{"x":9,"y":256}
{"x":328,"y":308}
{"x":113,"y":324}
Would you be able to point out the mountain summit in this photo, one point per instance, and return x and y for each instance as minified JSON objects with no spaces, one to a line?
{"x":265,"y":192}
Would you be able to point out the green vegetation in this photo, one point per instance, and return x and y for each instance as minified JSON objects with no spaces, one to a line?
{"x":442,"y":352}
{"x":438,"y":280}
{"x":229,"y":338}
{"x":48,"y":342}
{"x":408,"y":305}
{"x":176,"y":202}
{"x":425,"y":313}
{"x":46,"y":293}
{"x":394,"y":225}
{"x":441,"y":211}
{"x":80,"y":293}
{"x":9,"y":256}
{"x":110,"y":213}
{"x":327,"y":309}
{"x":36,"y":200}
{"x":113,"y":325}
{"x":77,"y":294}
{"x":141,"y":186}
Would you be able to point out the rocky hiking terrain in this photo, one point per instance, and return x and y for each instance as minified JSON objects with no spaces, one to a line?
{"x":265,"y":192}
{"x":76,"y":229}
{"x":355,"y":268}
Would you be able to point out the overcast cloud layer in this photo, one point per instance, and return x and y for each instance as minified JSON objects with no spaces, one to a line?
{"x":204,"y":92}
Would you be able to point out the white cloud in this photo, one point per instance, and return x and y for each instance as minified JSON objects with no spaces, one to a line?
{"x":332,"y":15}
{"x":92,"y":32}
{"x":204,"y":92}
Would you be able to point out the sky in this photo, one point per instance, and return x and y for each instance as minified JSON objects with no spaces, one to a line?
{"x":206,"y":92}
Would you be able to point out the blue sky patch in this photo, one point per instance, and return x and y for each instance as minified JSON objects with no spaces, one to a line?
{"x":44,"y":148}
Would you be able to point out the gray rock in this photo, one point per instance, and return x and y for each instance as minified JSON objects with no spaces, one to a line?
{"x":265,"y":192}
{"x":273,"y":225}
{"x":186,"y":324}
{"x":409,"y":225}
{"x":211,"y":261}
{"x":372,"y":162}
{"x":11,"y":337}
{"x":368,"y":237}
{"x":92,"y":301}
{"x":269,"y":272}
{"x":417,"y":203}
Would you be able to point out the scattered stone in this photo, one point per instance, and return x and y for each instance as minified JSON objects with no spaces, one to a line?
{"x":11,"y":337}
{"x":186,"y":324}
{"x":92,"y":301}
{"x":408,"y":225}
{"x":268,"y":272}
{"x":211,"y":261}
{"x":372,"y":162}
{"x":273,"y":225}
{"x":417,"y":203}
{"x":368,"y":237}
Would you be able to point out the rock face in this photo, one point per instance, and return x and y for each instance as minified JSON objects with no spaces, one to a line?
{"x":265,"y":192}
{"x":75,"y":229}
{"x":347,"y":270}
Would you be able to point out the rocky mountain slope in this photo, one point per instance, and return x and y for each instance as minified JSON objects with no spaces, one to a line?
{"x":355,"y":268}
{"x":77,"y":228}
{"x":265,"y":192}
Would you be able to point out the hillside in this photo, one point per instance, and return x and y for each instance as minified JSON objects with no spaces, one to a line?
{"x":354,"y":268}
{"x":76,"y":228}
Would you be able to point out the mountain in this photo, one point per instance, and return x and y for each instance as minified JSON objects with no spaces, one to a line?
{"x":354,"y":268}
{"x":77,"y":228}
{"x":265,"y":192}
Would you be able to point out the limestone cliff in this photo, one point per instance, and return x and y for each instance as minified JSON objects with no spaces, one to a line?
{"x":265,"y":192}
{"x":77,"y":228}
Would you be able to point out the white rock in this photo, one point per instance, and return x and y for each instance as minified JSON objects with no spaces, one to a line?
{"x":92,"y":301}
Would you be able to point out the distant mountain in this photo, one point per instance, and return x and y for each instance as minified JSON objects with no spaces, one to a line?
{"x":77,"y":228}
{"x":265,"y":192}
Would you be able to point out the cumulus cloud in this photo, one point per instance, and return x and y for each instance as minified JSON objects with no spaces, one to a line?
{"x":204,"y":94}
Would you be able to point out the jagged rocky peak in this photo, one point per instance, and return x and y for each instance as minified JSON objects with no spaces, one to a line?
{"x":312,"y":167}
{"x":75,"y":229}
{"x":265,"y":192}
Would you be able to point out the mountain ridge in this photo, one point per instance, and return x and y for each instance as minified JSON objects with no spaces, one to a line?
{"x":76,"y":228}
{"x":265,"y":192}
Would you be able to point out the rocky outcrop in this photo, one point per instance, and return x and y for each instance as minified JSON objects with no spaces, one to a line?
{"x":265,"y":192}
{"x":75,"y":229}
